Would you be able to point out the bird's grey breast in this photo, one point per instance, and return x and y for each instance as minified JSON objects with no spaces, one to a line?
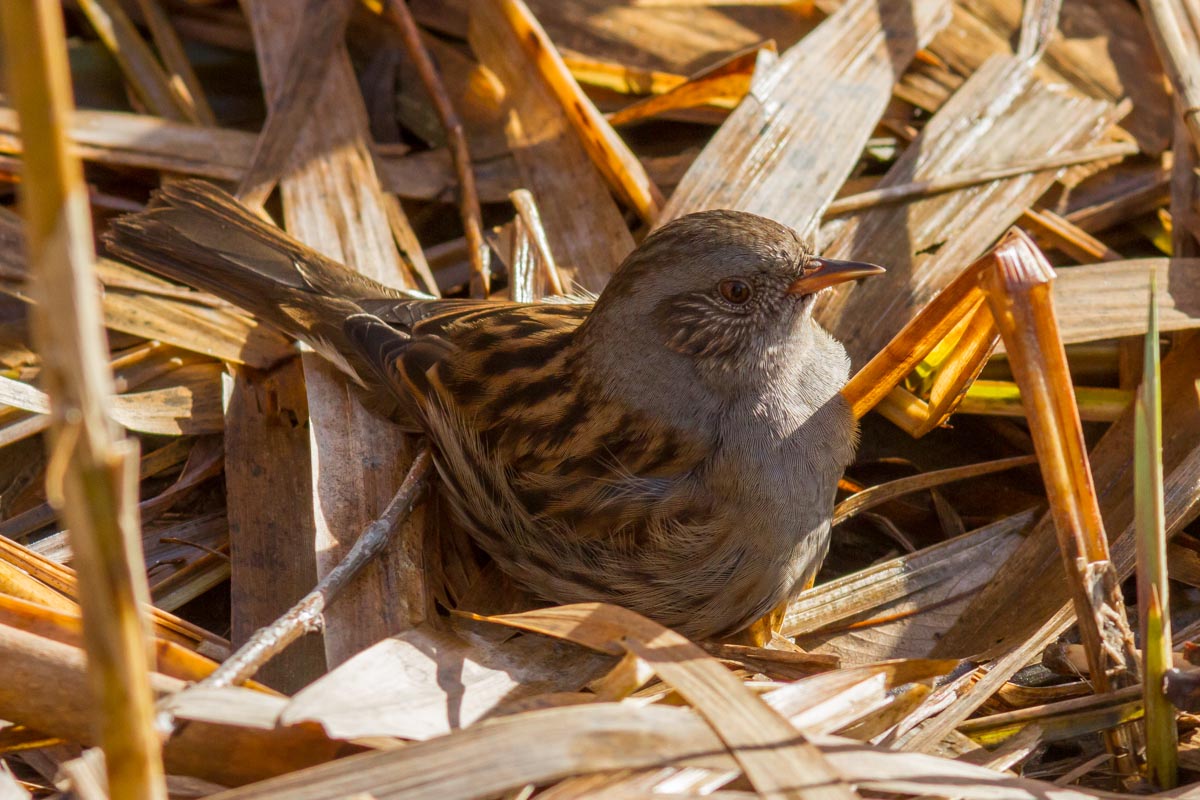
{"x":782,"y":451}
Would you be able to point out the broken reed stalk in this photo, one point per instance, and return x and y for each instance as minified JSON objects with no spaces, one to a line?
{"x":1061,"y":234}
{"x":1019,"y":292}
{"x":971,"y":177}
{"x":468,"y":202}
{"x":522,"y":264}
{"x":1039,"y":21}
{"x":612,"y":157}
{"x":957,"y":311}
{"x":527,"y":211}
{"x":92,"y":471}
{"x":1153,"y":599}
{"x":303,"y":616}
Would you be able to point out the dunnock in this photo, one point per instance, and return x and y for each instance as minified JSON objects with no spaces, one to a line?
{"x":673,"y":448}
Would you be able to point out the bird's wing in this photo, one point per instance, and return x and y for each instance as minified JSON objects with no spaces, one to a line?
{"x":573,"y":456}
{"x":404,"y":342}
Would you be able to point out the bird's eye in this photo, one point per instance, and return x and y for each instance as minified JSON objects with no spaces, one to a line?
{"x":735,"y":291}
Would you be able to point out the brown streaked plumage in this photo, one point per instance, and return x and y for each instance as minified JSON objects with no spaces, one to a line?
{"x":673,"y":447}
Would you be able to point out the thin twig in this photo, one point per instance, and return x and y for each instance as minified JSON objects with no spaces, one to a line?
{"x":305,"y":615}
{"x":972,"y":177}
{"x":472,"y":217}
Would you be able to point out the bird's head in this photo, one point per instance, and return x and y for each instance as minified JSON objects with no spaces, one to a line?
{"x":730,"y":291}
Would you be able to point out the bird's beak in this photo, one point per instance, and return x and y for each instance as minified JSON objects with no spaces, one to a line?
{"x":825,"y":272}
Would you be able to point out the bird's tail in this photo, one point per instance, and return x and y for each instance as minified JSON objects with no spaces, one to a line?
{"x":197,"y":234}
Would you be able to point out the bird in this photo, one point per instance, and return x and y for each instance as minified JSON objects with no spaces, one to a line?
{"x":672,"y":446}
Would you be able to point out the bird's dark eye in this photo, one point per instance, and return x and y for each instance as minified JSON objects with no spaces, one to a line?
{"x":735,"y":291}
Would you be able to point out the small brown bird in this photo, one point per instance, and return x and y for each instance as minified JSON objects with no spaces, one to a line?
{"x":673,"y":448}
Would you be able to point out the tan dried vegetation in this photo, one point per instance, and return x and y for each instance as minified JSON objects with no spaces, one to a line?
{"x":220,"y":576}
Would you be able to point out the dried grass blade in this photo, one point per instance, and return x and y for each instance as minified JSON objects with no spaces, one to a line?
{"x":1003,"y":398}
{"x":333,"y":202}
{"x":17,"y":583}
{"x":224,"y":154}
{"x":176,"y":60}
{"x":141,"y":68}
{"x":883,"y":584}
{"x":260,"y":506}
{"x":1162,"y":738}
{"x":612,"y":157}
{"x":62,"y":580}
{"x":1066,"y":719}
{"x":1039,"y":19}
{"x":777,"y":759}
{"x":531,"y":221}
{"x":1062,"y":234}
{"x":1185,"y":222}
{"x":1173,"y":28}
{"x":924,"y":244}
{"x":321,"y":27}
{"x":45,"y":689}
{"x":724,"y":83}
{"x":931,"y":733}
{"x":1101,"y":301}
{"x":882,"y":493}
{"x":149,"y":142}
{"x":1019,"y":293}
{"x":956,"y":372}
{"x":65,"y":625}
{"x":193,"y":407}
{"x":620,"y":77}
{"x":397,"y":687}
{"x":782,"y":153}
{"x":193,"y":580}
{"x":587,"y":233}
{"x":494,"y":756}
